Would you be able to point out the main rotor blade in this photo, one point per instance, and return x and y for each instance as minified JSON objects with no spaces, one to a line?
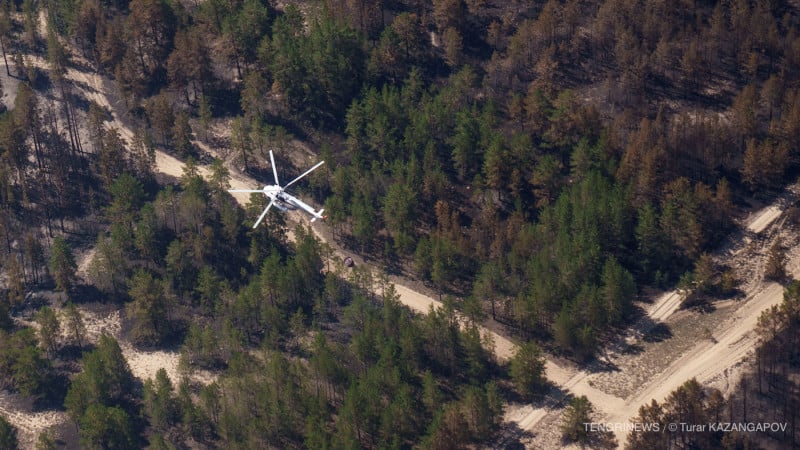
{"x":274,"y":170}
{"x":261,"y":217}
{"x":246,"y":190}
{"x":304,"y":174}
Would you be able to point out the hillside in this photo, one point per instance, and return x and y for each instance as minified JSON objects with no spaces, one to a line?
{"x":539,"y":172}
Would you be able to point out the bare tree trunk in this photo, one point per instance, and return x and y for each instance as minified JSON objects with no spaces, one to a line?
{"x":744,"y":399}
{"x":5,"y":60}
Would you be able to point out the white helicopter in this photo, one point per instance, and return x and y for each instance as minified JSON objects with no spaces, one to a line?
{"x":282,"y":199}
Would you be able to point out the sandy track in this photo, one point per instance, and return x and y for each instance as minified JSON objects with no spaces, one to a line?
{"x":580,"y":383}
{"x":707,"y":360}
{"x":762,"y":219}
{"x":504,"y":348}
{"x":665,"y":306}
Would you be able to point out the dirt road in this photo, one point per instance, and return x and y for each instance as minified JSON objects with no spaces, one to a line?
{"x":707,"y":360}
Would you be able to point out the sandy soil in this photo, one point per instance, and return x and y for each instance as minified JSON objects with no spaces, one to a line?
{"x":29,"y":424}
{"x":10,"y":86}
{"x":143,"y":364}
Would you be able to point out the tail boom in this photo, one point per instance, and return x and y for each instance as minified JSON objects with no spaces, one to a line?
{"x":318,"y":215}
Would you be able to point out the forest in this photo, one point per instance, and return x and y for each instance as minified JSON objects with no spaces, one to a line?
{"x":538,"y":165}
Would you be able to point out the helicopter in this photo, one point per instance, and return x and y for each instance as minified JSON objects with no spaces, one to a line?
{"x":282,"y":199}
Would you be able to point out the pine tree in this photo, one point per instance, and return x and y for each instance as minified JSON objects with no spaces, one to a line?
{"x":106,"y":379}
{"x":205,"y":113}
{"x":5,"y":28}
{"x":45,"y":441}
{"x":182,"y":135}
{"x":255,"y":85}
{"x":73,"y":322}
{"x":15,"y":274}
{"x":189,"y":64}
{"x":576,"y":416}
{"x":528,"y":370}
{"x":106,"y":427}
{"x":240,"y":142}
{"x":618,"y":291}
{"x":108,"y":268}
{"x":112,"y":160}
{"x":148,"y":309}
{"x":776,"y":262}
{"x":62,"y":264}
{"x":34,"y":255}
{"x":162,"y":117}
{"x":5,"y":318}
{"x":160,"y":404}
{"x":146,"y":236}
{"x":32,"y":372}
{"x":151,"y":26}
{"x":142,"y":154}
{"x":48,"y":329}
{"x":399,"y":212}
{"x":8,"y":435}
{"x":453,"y":47}
{"x":56,"y":55}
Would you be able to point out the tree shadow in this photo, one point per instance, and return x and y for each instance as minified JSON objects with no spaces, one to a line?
{"x":79,"y":101}
{"x":510,"y":437}
{"x":659,"y":332}
{"x":86,"y":293}
{"x":225,"y":101}
{"x":632,"y":349}
{"x":168,"y":339}
{"x":74,"y":352}
{"x":600,"y":366}
{"x":41,"y":80}
{"x":55,"y":393}
{"x":32,"y":303}
{"x":552,"y":398}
